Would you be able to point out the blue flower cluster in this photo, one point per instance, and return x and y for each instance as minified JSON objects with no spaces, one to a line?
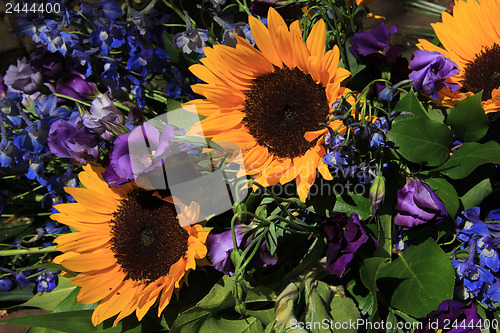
{"x":480,"y":278}
{"x":341,"y":155}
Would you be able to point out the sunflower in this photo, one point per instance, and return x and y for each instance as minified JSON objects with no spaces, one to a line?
{"x":273,"y":102}
{"x":471,"y":38}
{"x":129,"y":251}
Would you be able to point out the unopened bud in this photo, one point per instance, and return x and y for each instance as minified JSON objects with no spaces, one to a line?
{"x":377,"y":192}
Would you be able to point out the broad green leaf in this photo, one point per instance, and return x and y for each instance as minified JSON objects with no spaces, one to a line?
{"x":419,"y":280}
{"x":48,"y":301}
{"x":421,"y":140}
{"x":215,"y":312}
{"x":385,"y":236}
{"x":369,"y":271}
{"x":353,"y":204}
{"x":410,"y":103}
{"x":71,"y":304}
{"x":16,"y":295}
{"x":447,"y":193}
{"x":343,"y":310}
{"x":72,"y":322}
{"x":477,"y":194}
{"x":468,"y":120}
{"x":468,"y":157}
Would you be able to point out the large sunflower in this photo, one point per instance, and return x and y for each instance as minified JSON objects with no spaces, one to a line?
{"x":129,"y":250}
{"x":273,"y":102}
{"x":471,"y":38}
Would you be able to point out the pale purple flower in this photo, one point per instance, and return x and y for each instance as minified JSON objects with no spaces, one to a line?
{"x":102,"y":115}
{"x":191,"y":40}
{"x":22,"y":78}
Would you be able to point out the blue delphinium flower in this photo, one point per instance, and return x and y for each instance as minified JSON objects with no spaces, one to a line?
{"x":6,"y":284}
{"x":107,"y":37}
{"x":46,"y":282}
{"x":191,"y":40}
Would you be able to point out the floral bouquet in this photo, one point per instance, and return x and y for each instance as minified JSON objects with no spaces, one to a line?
{"x":250,"y":166}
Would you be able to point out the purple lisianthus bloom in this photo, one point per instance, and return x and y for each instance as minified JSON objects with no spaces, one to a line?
{"x":131,"y":157}
{"x":67,"y":140}
{"x":22,"y":78}
{"x":430,"y":69}
{"x":220,"y":246}
{"x":46,"y":282}
{"x":191,"y":40}
{"x":103,"y":112}
{"x":418,"y":204}
{"x":460,"y":317}
{"x":74,"y":85}
{"x":374,"y":47}
{"x":50,"y":64}
{"x":345,"y":236}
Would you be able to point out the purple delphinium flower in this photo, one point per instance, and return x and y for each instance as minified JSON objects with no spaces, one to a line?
{"x":374,"y":47}
{"x":22,"y":280}
{"x":102,"y":113}
{"x":73,"y":84}
{"x":418,"y":204}
{"x":67,"y":140}
{"x":462,"y":317}
{"x":22,"y":78}
{"x":430,"y":69}
{"x":220,"y":246}
{"x":345,"y":236}
{"x":46,"y":282}
{"x":191,"y":40}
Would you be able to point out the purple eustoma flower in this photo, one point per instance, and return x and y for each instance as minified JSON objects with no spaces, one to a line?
{"x":374,"y":47}
{"x":101,"y":114}
{"x":138,"y":153}
{"x":430,"y":69}
{"x":22,"y":78}
{"x":220,"y":246}
{"x":418,"y":204}
{"x":345,"y":236}
{"x":67,"y":140}
{"x":450,"y":313}
{"x":74,"y":85}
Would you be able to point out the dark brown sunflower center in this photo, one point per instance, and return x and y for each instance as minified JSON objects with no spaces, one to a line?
{"x":483,"y":73}
{"x":146,"y":237}
{"x":281,"y":107}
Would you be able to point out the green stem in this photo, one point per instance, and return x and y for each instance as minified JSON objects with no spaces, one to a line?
{"x":71,"y":99}
{"x":32,"y":250}
{"x":28,"y":192}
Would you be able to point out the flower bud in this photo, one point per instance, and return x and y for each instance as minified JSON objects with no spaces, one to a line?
{"x":377,"y":192}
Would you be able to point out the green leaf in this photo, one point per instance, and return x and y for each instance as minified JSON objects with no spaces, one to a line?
{"x":468,"y":157}
{"x":385,"y":236}
{"x":419,"y":280}
{"x":353,"y":204}
{"x":477,"y":194}
{"x":325,"y":307}
{"x":468,"y":120}
{"x":48,"y":301}
{"x":410,"y":103}
{"x":71,"y":304}
{"x":369,"y":271}
{"x":215,"y":311}
{"x":447,"y":193}
{"x":73,"y":322}
{"x":421,"y":140}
